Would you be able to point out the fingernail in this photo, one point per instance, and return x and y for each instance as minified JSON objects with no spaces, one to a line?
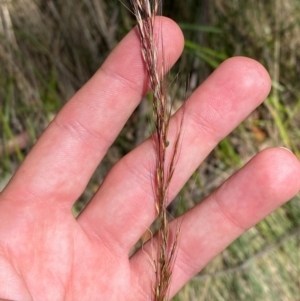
{"x":285,"y":149}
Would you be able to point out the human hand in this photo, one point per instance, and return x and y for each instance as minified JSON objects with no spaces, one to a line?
{"x":47,"y":254}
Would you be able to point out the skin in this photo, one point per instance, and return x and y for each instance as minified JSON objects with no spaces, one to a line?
{"x":47,"y":254}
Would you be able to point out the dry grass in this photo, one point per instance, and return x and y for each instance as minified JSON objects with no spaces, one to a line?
{"x":145,"y":12}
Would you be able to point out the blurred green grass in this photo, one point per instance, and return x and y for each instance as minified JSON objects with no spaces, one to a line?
{"x":49,"y":49}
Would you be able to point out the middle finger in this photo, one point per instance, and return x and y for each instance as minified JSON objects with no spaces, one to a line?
{"x":123,"y":208}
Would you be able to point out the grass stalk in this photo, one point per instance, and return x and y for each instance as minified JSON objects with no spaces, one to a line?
{"x":145,"y":12}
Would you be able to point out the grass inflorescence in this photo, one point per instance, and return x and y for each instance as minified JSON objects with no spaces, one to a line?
{"x":145,"y":12}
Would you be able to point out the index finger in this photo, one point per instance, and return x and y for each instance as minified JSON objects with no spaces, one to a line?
{"x":64,"y":158}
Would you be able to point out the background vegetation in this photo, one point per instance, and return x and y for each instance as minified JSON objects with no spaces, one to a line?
{"x":50,"y":48}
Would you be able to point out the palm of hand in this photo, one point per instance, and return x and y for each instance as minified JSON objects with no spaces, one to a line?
{"x":51,"y":258}
{"x":46,"y":254}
